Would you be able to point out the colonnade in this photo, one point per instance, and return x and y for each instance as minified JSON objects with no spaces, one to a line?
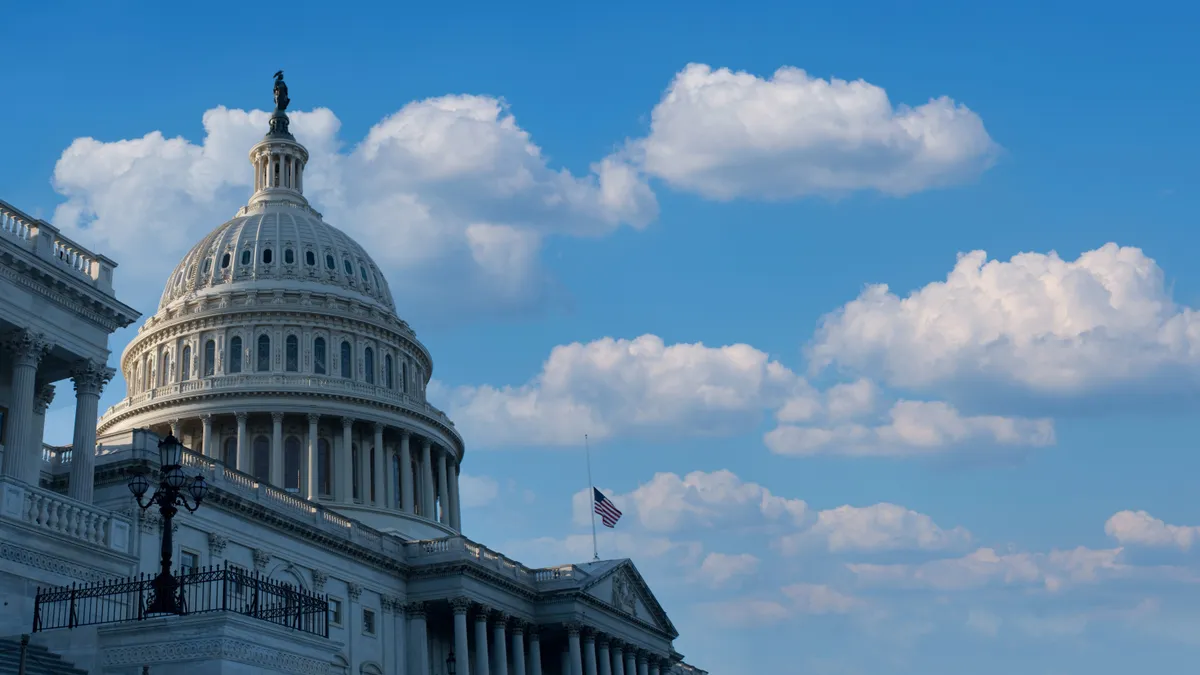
{"x":27,"y":406}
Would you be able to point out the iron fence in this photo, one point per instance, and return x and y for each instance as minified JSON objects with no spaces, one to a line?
{"x":201,"y":590}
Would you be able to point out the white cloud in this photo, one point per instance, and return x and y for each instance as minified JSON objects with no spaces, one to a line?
{"x":798,"y":599}
{"x":475,"y":491}
{"x":726,"y":134}
{"x":880,"y":527}
{"x":719,"y":569}
{"x":985,"y":567}
{"x":745,"y":612}
{"x":983,"y":622}
{"x":912,"y":428}
{"x":449,"y":194}
{"x":577,"y":548}
{"x":611,"y":387}
{"x":819,"y":599}
{"x":1036,"y":322}
{"x":1138,"y":528}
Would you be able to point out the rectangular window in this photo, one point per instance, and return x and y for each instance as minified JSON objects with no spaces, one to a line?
{"x":189,"y":562}
{"x":369,"y":621}
{"x":335,"y":612}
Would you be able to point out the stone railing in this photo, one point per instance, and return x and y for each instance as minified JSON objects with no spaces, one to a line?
{"x":47,"y":242}
{"x":298,"y":382}
{"x":51,"y":512}
{"x":439,"y":550}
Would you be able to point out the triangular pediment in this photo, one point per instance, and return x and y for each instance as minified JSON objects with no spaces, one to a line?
{"x":618,"y":583}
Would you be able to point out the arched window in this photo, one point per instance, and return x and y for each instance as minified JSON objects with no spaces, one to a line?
{"x":207,"y":265}
{"x":235,"y":355}
{"x":210,"y":357}
{"x":264,"y":353}
{"x":266,"y":256}
{"x":355,"y":470}
{"x":329,"y":261}
{"x":225,"y":261}
{"x":347,"y":267}
{"x":185,"y":368}
{"x":262,"y":458}
{"x":293,"y":354}
{"x":404,"y":376}
{"x":310,"y":258}
{"x":387,"y":372}
{"x":246,"y":257}
{"x":362,"y":271}
{"x":324,"y":468}
{"x":346,"y":359}
{"x":229,"y":455}
{"x":291,"y":464}
{"x":164,"y":370}
{"x":146,"y":381}
{"x":369,"y":364}
{"x":289,"y":256}
{"x":319,"y":356}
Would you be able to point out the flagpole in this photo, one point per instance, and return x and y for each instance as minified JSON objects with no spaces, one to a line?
{"x":591,"y":495}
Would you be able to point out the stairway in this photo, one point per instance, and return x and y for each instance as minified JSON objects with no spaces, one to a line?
{"x":38,"y":660}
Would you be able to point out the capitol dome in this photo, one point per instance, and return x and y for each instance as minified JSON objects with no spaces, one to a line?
{"x":276,"y":351}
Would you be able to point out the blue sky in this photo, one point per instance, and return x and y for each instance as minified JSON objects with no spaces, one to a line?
{"x":980,"y":529}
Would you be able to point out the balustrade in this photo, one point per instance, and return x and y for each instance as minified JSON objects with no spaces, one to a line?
{"x":63,"y":516}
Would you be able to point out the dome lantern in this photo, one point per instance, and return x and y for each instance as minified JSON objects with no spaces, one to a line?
{"x":278,"y":159}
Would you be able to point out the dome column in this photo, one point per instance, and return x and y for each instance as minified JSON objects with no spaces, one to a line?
{"x":311,"y":460}
{"x":443,"y":515}
{"x":428,"y":508}
{"x":243,"y":455}
{"x":406,"y":475}
{"x":277,"y":449}
{"x":206,"y":442}
{"x":455,"y":520}
{"x":377,"y":482}
{"x":347,"y":463}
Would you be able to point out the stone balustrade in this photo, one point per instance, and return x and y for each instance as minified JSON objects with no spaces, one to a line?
{"x":60,"y":515}
{"x":47,"y":242}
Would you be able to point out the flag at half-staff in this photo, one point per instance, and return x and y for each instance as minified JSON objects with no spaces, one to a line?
{"x":608,"y":512}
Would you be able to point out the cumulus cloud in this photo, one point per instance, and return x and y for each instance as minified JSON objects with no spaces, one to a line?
{"x":639,"y":546}
{"x":475,"y":491}
{"x":1037,"y":323}
{"x":797,"y":599}
{"x":726,"y":134}
{"x":720,"y":569}
{"x":819,"y":599}
{"x":450,"y":195}
{"x":1138,"y":528}
{"x":746,"y":612}
{"x":985,"y":567}
{"x":880,"y":527}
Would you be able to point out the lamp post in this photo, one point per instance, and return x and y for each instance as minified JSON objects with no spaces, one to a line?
{"x":172,"y":491}
{"x":451,"y":664}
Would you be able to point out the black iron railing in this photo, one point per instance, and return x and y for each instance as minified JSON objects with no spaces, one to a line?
{"x":203,"y":590}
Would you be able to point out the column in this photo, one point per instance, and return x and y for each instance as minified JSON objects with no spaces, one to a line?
{"x":535,"y":650}
{"x":631,"y":660}
{"x":618,"y":658}
{"x":243,"y":453}
{"x":311,"y":460}
{"x":206,"y":443}
{"x":500,"y":644}
{"x":427,"y":508}
{"x":462,"y":649}
{"x":518,"y":648}
{"x":420,"y":638}
{"x":455,"y":519}
{"x":89,"y":378}
{"x":347,"y":463}
{"x":642,"y":664}
{"x":378,"y":483}
{"x":443,"y":492}
{"x":481,"y":641}
{"x":45,"y":396}
{"x":564,"y":660}
{"x":654,"y":662}
{"x":406,"y":477}
{"x":401,"y":660}
{"x":604,"y":660}
{"x":27,"y":350}
{"x":277,"y":449}
{"x":574,"y":649}
{"x":589,"y":652}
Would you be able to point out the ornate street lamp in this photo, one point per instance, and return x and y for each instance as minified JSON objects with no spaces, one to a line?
{"x":172,"y":491}
{"x":451,"y":664}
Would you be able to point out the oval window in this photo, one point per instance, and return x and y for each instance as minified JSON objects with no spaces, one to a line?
{"x":267,"y":256}
{"x":349,"y":269}
{"x":289,"y":256}
{"x":310,"y":258}
{"x":329,"y":262}
{"x":225,"y":261}
{"x":207,"y":265}
{"x":363,"y":272}
{"x":246,"y":257}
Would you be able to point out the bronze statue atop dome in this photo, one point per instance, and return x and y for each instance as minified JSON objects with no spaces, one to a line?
{"x":281,"y":96}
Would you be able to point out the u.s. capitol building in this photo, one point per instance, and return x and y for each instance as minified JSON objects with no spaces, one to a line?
{"x":278,"y":359}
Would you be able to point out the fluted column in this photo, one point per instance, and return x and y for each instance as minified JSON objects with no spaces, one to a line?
{"x":347,"y":463}
{"x":535,"y":650}
{"x":574,"y":649}
{"x":455,"y":518}
{"x":243,"y":455}
{"x":500,"y":644}
{"x":206,"y":434}
{"x":27,"y":349}
{"x":406,"y":477}
{"x":45,"y":396}
{"x":642,"y":664}
{"x":277,"y":449}
{"x":462,"y":649}
{"x":420,"y":637}
{"x":89,"y":378}
{"x":427,"y":507}
{"x":443,"y":492}
{"x":618,"y":658}
{"x":518,"y":648}
{"x":589,"y":652}
{"x":631,"y":660}
{"x":311,"y":459}
{"x":482,"y":667}
{"x":604,"y":661}
{"x":401,"y":661}
{"x":377,"y":480}
{"x":654,"y":665}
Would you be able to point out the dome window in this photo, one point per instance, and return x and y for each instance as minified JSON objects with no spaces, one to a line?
{"x":349,"y":269}
{"x":246,"y":257}
{"x":207,"y":266}
{"x":267,"y":256}
{"x":310,"y":258}
{"x":362,"y":271}
{"x":225,"y":261}
{"x":289,"y":256}
{"x":329,"y":261}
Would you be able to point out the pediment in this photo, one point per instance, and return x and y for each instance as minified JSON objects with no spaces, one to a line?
{"x":618,"y":584}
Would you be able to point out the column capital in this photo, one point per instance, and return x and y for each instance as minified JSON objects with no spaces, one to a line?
{"x":602,"y":640}
{"x":518,"y":626}
{"x":415,"y":609}
{"x":206,"y":418}
{"x":397,"y":604}
{"x":313,"y":418}
{"x":379,"y":427}
{"x":427,"y":443}
{"x":499,"y":618}
{"x":616,"y":644}
{"x":405,"y":434}
{"x":460,"y":605}
{"x":90,"y":377}
{"x":43,"y":399}
{"x":354,"y":591}
{"x":277,"y":417}
{"x":27,"y":347}
{"x":573,"y":628}
{"x":347,"y":422}
{"x":481,"y":611}
{"x":241,"y":417}
{"x":319,"y":578}
{"x":533,"y":630}
{"x":643,"y":657}
{"x":588,"y":633}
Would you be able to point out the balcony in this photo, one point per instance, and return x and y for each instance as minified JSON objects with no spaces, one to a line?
{"x":45,"y":241}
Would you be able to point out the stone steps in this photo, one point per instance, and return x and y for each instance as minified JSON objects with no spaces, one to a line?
{"x":38,"y":660}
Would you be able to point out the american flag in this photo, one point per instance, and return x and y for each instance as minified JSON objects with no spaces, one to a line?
{"x":608,"y":512}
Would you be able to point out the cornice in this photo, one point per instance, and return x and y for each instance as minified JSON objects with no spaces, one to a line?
{"x":77,"y":300}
